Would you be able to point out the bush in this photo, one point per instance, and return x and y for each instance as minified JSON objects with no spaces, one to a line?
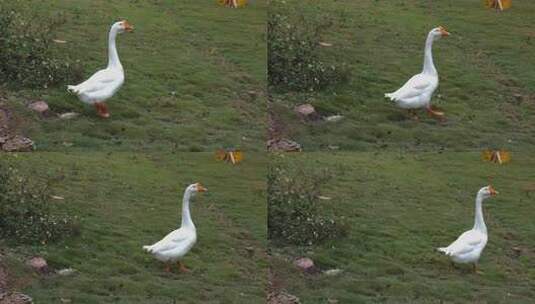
{"x":293,"y":50}
{"x":295,"y":214}
{"x":25,"y":211}
{"x":27,"y":58}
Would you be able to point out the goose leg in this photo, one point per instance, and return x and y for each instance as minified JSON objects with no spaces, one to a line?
{"x":413,"y":115}
{"x":102,"y":109}
{"x":167,"y":267}
{"x":454,"y":267}
{"x":476,"y":270}
{"x":182,"y":268}
{"x":436,"y":114}
{"x":97,"y":107}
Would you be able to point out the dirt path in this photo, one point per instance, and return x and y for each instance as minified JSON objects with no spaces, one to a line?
{"x":3,"y":278}
{"x":4,"y":121}
{"x":10,"y":140}
{"x":8,"y":296}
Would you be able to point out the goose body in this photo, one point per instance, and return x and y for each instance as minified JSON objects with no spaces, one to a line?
{"x":175,"y":245}
{"x":416,"y":93}
{"x":467,"y":248}
{"x":102,"y":85}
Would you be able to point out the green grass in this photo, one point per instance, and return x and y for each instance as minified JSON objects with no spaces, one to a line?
{"x":126,"y":200}
{"x":195,"y":77}
{"x":482,"y":66}
{"x":400,"y":207}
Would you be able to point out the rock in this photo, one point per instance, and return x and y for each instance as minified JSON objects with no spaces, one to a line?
{"x":252,"y":94}
{"x":517,"y":252}
{"x":282,"y":297}
{"x":39,"y":264}
{"x":250,"y":251}
{"x":332,"y":147}
{"x":14,"y":298}
{"x":305,"y":264}
{"x":334,"y":118}
{"x":283,"y":145}
{"x":332,"y":272}
{"x":68,"y":115}
{"x":66,"y":272}
{"x":307,"y":112}
{"x":18,"y":144}
{"x":39,"y":106}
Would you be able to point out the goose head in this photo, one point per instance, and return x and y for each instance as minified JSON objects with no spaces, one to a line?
{"x":195,"y":188}
{"x":487,"y":192}
{"x":438,"y":33}
{"x":122,"y":26}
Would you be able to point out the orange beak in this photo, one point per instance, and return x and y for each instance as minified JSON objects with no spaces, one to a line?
{"x":443,"y":31}
{"x":127,"y":26}
{"x":493,"y":192}
{"x":200,"y":188}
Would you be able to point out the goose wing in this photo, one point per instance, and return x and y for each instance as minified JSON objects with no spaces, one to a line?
{"x":98,"y":81}
{"x":465,"y":243}
{"x":170,"y":241}
{"x":415,"y":86}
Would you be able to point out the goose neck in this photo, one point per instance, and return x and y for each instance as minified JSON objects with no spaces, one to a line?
{"x":113,"y":56}
{"x":429,"y":66}
{"x":186,"y":216}
{"x":479,"y":221}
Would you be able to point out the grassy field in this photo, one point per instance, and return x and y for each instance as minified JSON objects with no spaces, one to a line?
{"x":195,"y":77}
{"x":486,"y":87}
{"x":399,"y":208}
{"x":126,"y":200}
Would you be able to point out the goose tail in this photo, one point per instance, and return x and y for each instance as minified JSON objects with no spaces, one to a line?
{"x":443,"y":250}
{"x":147,"y":248}
{"x":72,"y":89}
{"x":390,"y":96}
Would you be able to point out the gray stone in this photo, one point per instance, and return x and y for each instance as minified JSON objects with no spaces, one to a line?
{"x":15,"y":298}
{"x":39,"y":264}
{"x":282,"y":297}
{"x":304,"y":264}
{"x":68,"y":115}
{"x":17,"y":143}
{"x":39,"y":106}
{"x":283,"y":145}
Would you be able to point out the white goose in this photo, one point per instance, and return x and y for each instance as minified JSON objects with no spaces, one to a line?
{"x":468,"y":247}
{"x":104,"y":83}
{"x":417,"y":92}
{"x":178,"y":243}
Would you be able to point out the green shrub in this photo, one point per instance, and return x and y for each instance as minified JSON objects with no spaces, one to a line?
{"x":294,"y":61}
{"x":27,"y":58}
{"x":295,"y":214}
{"x":26,"y":213}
